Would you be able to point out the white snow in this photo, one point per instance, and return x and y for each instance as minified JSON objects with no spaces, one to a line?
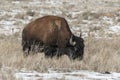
{"x":3,"y":22}
{"x":115,"y":29}
{"x":16,"y":2}
{"x":54,"y":7}
{"x":72,"y":75}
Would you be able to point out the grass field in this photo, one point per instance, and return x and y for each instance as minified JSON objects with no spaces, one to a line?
{"x":100,"y":55}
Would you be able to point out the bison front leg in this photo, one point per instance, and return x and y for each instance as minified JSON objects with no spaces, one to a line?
{"x":49,"y":51}
{"x":60,"y":52}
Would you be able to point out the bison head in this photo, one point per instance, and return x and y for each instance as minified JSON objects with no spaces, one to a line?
{"x":76,"y":50}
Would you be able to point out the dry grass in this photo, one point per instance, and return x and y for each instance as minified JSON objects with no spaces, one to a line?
{"x":100,"y":55}
{"x":103,"y":54}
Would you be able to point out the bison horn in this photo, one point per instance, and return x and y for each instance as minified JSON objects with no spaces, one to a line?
{"x":80,"y":33}
{"x":71,"y":41}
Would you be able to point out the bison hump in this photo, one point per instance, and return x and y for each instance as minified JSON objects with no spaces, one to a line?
{"x":58,"y":24}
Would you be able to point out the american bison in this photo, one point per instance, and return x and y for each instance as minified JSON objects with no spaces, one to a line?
{"x":51,"y":35}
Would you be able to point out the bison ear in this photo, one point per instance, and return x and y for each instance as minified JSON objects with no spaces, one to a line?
{"x":71,"y":41}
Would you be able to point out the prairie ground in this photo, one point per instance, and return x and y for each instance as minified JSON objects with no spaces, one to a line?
{"x":99,"y":21}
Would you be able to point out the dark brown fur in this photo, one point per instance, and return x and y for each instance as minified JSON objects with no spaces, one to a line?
{"x":52,"y":33}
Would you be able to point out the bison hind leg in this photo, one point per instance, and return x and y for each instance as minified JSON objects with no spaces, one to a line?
{"x":37,"y":46}
{"x":40,"y":46}
{"x":26,"y":48}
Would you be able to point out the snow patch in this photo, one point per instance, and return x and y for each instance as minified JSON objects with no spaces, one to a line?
{"x":72,"y":75}
{"x":115,"y":28}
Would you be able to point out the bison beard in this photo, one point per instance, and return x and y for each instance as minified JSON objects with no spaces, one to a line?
{"x":51,"y":35}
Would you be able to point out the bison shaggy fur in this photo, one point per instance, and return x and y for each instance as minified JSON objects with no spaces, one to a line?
{"x":51,"y":35}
